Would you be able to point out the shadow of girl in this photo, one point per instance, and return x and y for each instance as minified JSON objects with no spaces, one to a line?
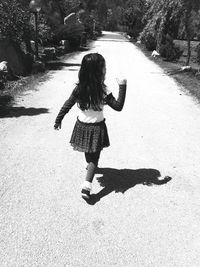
{"x":122,"y":180}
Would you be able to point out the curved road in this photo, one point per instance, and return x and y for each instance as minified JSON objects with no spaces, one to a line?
{"x":135,"y":219}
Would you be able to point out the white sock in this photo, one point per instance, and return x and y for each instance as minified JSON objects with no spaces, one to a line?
{"x":87,"y":185}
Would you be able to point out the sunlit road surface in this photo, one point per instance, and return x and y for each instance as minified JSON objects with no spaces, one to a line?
{"x":136,"y":218}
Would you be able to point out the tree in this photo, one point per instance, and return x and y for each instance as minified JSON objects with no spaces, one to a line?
{"x":14,"y":20}
{"x":51,"y":20}
{"x":167,"y":17}
{"x":190,"y":7}
{"x":132,"y":16}
{"x":69,"y":6}
{"x":102,"y":8}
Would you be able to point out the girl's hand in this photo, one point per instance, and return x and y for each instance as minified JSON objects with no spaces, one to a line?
{"x":121,"y":81}
{"x":57,"y":126}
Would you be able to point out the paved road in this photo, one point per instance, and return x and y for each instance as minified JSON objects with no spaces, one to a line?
{"x":44,"y":221}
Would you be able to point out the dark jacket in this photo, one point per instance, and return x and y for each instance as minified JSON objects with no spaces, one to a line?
{"x":116,"y":104}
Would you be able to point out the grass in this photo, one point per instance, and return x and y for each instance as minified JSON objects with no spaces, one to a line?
{"x":188,"y":81}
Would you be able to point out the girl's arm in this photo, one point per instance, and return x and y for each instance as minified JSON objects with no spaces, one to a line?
{"x":117,"y":104}
{"x":69,"y":103}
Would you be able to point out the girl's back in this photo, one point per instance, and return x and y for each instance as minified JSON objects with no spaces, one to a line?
{"x":90,"y":131}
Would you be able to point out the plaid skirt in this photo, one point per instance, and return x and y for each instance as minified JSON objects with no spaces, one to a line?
{"x":89,"y":137}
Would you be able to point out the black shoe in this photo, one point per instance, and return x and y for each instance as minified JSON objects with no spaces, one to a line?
{"x":85,"y":193}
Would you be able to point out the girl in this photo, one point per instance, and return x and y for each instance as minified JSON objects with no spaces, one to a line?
{"x":90,"y":132}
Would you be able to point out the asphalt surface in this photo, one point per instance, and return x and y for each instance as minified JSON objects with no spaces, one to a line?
{"x":137,"y":217}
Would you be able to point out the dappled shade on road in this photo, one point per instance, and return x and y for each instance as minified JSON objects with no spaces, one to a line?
{"x":5,"y":100}
{"x":10,"y":112}
{"x":58,"y":65}
{"x":124,"y":179}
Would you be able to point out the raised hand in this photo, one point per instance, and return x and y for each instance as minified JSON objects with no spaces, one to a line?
{"x":121,"y":81}
{"x":57,"y":126}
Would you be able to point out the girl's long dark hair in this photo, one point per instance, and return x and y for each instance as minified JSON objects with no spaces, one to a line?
{"x":91,"y":88}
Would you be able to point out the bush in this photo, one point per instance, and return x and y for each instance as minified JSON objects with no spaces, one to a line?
{"x":170,"y":52}
{"x":14,"y":20}
{"x":149,"y":41}
{"x":74,"y":42}
{"x":28,"y":63}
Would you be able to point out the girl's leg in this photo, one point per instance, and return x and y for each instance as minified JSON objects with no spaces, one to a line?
{"x":92,"y":160}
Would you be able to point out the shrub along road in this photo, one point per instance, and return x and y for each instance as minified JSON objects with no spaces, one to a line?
{"x":135,"y":219}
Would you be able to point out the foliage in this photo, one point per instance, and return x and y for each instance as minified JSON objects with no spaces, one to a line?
{"x":69,"y":6}
{"x":14,"y":20}
{"x":112,"y":22}
{"x":151,"y":20}
{"x":51,"y":21}
{"x":169,"y":51}
{"x":45,"y":32}
{"x":170,"y":17}
{"x":90,"y":4}
{"x":132,"y":16}
{"x":149,"y":40}
{"x":102,"y":8}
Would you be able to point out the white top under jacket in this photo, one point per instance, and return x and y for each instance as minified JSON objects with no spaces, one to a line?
{"x":90,"y":115}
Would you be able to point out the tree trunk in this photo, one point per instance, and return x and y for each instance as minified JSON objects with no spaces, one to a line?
{"x":188,"y":50}
{"x":188,"y":12}
{"x":28,"y":46}
{"x":27,"y":41}
{"x":160,"y":34}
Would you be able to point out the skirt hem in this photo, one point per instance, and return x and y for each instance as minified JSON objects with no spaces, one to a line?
{"x":86,"y":151}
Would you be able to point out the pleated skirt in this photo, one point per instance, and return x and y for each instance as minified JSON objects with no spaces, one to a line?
{"x":89,"y":137}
